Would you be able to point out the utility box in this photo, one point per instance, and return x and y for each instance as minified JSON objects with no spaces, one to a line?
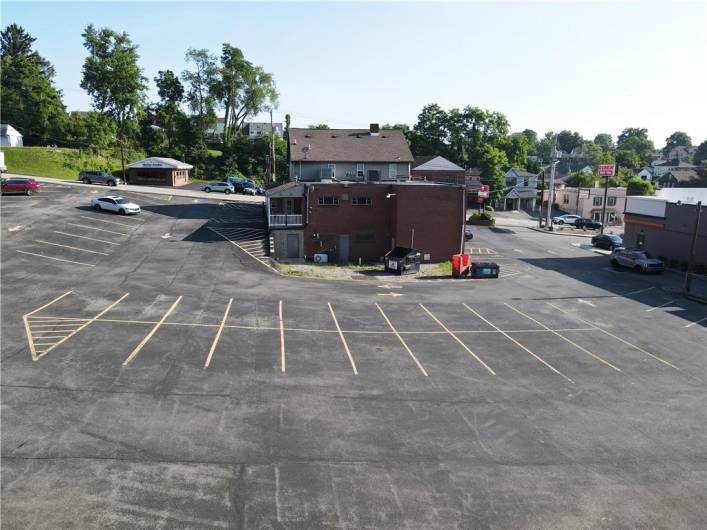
{"x":484,"y":270}
{"x":403,"y":260}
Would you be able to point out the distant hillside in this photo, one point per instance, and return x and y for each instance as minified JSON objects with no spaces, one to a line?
{"x":61,"y":162}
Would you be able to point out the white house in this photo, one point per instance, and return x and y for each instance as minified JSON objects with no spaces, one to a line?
{"x":645,"y":173}
{"x":521,"y":190}
{"x":9,"y":136}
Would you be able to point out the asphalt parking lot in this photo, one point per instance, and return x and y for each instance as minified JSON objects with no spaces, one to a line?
{"x":157,"y":373}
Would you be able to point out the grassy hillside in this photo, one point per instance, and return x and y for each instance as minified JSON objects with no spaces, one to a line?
{"x":64,"y":163}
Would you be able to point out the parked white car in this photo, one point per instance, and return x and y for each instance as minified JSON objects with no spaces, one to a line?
{"x":116,"y":204}
{"x":225,"y":187}
{"x":566,"y":219}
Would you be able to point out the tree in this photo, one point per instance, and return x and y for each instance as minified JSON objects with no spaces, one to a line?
{"x":605,"y":141}
{"x":568,"y":140}
{"x":168,"y":111}
{"x":579,"y":179}
{"x":90,"y":129}
{"x":592,"y":152}
{"x":286,"y":133}
{"x":678,"y":138}
{"x":637,"y":186}
{"x":201,"y":81}
{"x":636,"y":140}
{"x":318,"y":126}
{"x":628,"y":158}
{"x":114,"y":80}
{"x":532,"y":138}
{"x":700,"y":155}
{"x":491,"y":162}
{"x":546,"y":147}
{"x":429,"y":134}
{"x":242,"y":88}
{"x":517,"y":151}
{"x":29,"y":100}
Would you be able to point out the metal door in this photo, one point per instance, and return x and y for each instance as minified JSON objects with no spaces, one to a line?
{"x":293,"y":246}
{"x":343,"y":248}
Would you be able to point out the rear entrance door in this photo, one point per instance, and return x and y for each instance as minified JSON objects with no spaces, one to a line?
{"x":343,"y":248}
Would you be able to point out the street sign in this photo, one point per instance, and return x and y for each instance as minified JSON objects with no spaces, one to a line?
{"x":483,"y":191}
{"x":606,"y":170}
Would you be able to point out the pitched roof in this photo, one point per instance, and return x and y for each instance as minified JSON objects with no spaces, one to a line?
{"x":675,"y":162}
{"x":6,"y":130}
{"x":434,"y":163}
{"x":682,"y":174}
{"x":159,"y":162}
{"x":520,"y":173}
{"x":348,"y":145}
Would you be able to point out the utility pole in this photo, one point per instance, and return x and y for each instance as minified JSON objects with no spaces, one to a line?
{"x":542,"y":196}
{"x":691,"y":257}
{"x":551,"y":195}
{"x":272,"y":150}
{"x":603,"y":206}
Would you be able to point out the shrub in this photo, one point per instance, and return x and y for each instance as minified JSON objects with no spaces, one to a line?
{"x":488,"y":208}
{"x":483,"y":216}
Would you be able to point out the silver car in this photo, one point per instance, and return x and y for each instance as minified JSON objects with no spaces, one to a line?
{"x":225,"y":187}
{"x":115,"y":204}
{"x":637,"y":260}
{"x":568,"y":219}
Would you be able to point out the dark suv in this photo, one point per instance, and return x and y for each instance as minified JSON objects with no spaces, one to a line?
{"x":98,"y":177}
{"x":584,"y":222}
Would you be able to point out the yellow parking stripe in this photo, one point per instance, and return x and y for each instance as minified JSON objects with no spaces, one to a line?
{"x":402,"y":341}
{"x":218,"y":333}
{"x":564,"y":338}
{"x":25,"y":320}
{"x":144,"y":341}
{"x":56,"y":259}
{"x":74,"y":332}
{"x":461,"y":343}
{"x":343,"y":340}
{"x":514,"y":341}
{"x":70,"y":247}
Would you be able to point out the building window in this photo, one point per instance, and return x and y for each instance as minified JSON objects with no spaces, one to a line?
{"x":374,"y":174}
{"x":360,"y":170}
{"x":565,"y":199}
{"x":328,"y":201}
{"x":365,"y":237}
{"x":451,"y":180}
{"x":392,"y":171}
{"x":361,"y":201}
{"x":597,"y":200}
{"x":611,"y":201}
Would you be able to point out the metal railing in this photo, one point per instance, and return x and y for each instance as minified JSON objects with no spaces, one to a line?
{"x":285,"y":219}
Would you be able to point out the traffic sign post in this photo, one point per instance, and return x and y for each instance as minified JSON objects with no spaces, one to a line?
{"x":605,"y":170}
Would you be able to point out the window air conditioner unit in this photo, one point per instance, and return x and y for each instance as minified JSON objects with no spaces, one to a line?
{"x":326,"y":173}
{"x":321,"y":258}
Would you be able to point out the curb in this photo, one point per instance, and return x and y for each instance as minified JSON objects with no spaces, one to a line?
{"x":543,"y":231}
{"x":176,"y":192}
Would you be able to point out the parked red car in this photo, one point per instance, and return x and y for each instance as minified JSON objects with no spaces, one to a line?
{"x":25,"y":186}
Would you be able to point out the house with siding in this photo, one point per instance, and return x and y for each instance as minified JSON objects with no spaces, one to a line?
{"x":437,"y":169}
{"x":521,"y":190}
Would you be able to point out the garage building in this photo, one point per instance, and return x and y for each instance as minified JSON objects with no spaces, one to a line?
{"x":158,"y":171}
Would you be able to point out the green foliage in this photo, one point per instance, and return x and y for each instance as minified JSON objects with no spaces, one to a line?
{"x":605,"y":141}
{"x":628,"y":158}
{"x":242,"y":89}
{"x":491,"y":162}
{"x":676,"y":139}
{"x":592,"y":152}
{"x":568,"y":140}
{"x":637,"y":186}
{"x":700,"y":155}
{"x":90,"y":129}
{"x":580,"y":180}
{"x":29,"y":100}
{"x":63,"y":162}
{"x":532,"y":138}
{"x":318,"y":126}
{"x":481,"y":216}
{"x":636,"y":140}
{"x":546,"y":146}
{"x":517,"y":151}
{"x":200,"y":82}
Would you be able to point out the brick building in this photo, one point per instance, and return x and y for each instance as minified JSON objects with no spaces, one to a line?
{"x":352,"y":220}
{"x":158,"y":171}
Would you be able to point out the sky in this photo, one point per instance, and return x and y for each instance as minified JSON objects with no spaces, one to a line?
{"x":591,"y":67}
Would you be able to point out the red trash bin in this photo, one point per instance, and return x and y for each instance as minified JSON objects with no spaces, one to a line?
{"x":460,"y":265}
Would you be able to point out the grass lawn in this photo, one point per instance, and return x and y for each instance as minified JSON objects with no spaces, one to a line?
{"x":61,"y":162}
